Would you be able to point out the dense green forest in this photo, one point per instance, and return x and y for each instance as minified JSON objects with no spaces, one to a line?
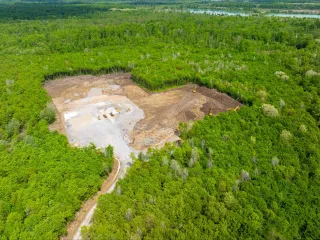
{"x":251,"y":174}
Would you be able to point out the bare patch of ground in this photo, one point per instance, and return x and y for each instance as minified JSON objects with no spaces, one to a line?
{"x":162,"y":111}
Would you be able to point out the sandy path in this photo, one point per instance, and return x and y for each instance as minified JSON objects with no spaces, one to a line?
{"x":85,"y":214}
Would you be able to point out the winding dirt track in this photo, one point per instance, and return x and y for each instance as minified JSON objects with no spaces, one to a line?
{"x":84,"y":215}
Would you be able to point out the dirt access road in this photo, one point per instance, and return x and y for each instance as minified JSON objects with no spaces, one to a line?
{"x":85,"y":214}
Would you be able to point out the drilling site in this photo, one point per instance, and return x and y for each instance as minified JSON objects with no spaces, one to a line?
{"x":112,"y":109}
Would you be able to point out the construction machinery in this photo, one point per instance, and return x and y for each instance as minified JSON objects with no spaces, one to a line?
{"x":234,"y":109}
{"x":194,"y":89}
{"x":128,"y":110}
{"x":210,"y":112}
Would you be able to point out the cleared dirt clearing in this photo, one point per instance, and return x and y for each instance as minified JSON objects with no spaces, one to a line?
{"x":162,"y":111}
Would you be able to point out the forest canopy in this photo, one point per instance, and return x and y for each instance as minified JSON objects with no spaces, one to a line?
{"x":253,"y":174}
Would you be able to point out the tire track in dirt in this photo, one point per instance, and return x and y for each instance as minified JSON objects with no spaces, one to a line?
{"x":84,"y":215}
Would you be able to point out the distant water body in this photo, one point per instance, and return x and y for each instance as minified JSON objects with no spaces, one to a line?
{"x":229,"y":13}
{"x":293,"y":15}
{"x":216,"y":12}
